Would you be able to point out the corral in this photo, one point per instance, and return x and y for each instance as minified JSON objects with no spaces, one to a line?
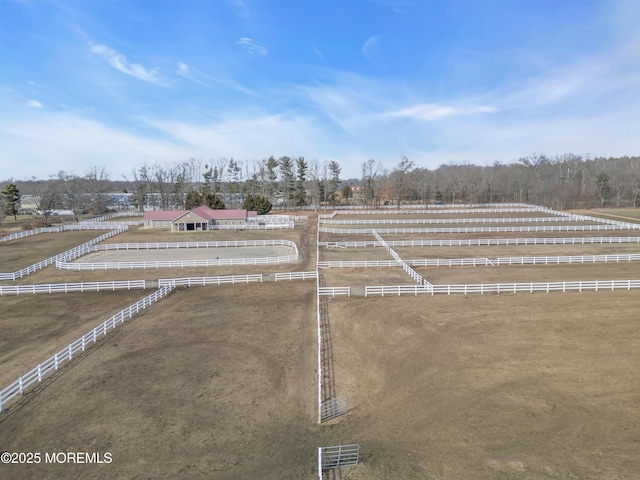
{"x":219,"y":382}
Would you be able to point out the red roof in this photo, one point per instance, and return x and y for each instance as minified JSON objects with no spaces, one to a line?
{"x":202,"y":211}
{"x":209,"y":214}
{"x":163,"y":214}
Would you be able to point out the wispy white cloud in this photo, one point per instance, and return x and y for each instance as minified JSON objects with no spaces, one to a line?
{"x":430,"y":112}
{"x":207,"y":81}
{"x":256,"y":135}
{"x":369,"y":47}
{"x":120,"y":63}
{"x":252,"y":47}
{"x":185,"y":71}
{"x":34,"y":104}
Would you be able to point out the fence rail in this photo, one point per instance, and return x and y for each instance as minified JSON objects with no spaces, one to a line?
{"x":65,"y":355}
{"x":447,"y":221}
{"x":533,"y":228}
{"x":527,"y":206}
{"x":510,"y":241}
{"x":334,"y":291}
{"x":483,"y":242}
{"x":72,"y":287}
{"x":204,"y":281}
{"x":359,"y":264}
{"x":595,"y":285}
{"x":501,"y":261}
{"x":63,"y":228}
{"x":64,"y":256}
{"x":216,"y":244}
{"x":295,"y":276}
{"x":249,"y":226}
{"x":445,"y":211}
{"x":410,"y":271}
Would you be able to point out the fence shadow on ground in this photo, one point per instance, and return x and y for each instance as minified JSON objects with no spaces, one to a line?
{"x":327,"y":361}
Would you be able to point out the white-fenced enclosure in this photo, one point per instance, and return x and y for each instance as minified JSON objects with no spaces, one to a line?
{"x":174,"y":249}
{"x":485,"y":288}
{"x":426,"y":287}
{"x":62,"y":257}
{"x":462,"y":242}
{"x":75,"y":348}
{"x":73,"y":287}
{"x":521,"y":229}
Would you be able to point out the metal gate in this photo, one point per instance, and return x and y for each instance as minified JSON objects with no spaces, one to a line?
{"x":333,"y":408}
{"x":337,"y":456}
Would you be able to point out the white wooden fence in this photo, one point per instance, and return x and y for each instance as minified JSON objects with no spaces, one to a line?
{"x":444,"y":211}
{"x":72,"y":287}
{"x":483,"y":241}
{"x":204,"y":281}
{"x":448,"y":221}
{"x":250,"y":226}
{"x":547,"y":260}
{"x":64,"y":256}
{"x":483,"y":261}
{"x":62,"y":228}
{"x":512,"y":241}
{"x":168,"y":245}
{"x":531,"y":228}
{"x":359,"y":264}
{"x":110,"y":216}
{"x":385,"y":208}
{"x":410,"y":271}
{"x":595,"y":285}
{"x":53,"y":363}
{"x":334,"y":291}
{"x":210,"y":262}
{"x":295,"y":276}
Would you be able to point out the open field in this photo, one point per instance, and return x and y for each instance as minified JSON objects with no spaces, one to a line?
{"x":26,"y":251}
{"x":492,"y":387}
{"x":220,"y":382}
{"x":213,"y":382}
{"x":34,"y":327}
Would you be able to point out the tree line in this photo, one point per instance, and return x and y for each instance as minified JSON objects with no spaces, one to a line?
{"x":560,"y":182}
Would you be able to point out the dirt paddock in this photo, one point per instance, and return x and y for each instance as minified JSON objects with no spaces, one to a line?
{"x":540,"y":386}
{"x":177,"y":254}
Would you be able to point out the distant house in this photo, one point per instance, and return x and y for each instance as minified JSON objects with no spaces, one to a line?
{"x":199,"y":219}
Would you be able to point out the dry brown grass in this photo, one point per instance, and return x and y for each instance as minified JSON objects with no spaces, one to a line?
{"x":23,"y":252}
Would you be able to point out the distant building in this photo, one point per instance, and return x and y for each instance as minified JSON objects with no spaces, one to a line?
{"x":199,"y":219}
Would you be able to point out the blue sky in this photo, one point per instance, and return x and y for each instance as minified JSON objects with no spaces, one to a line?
{"x":123,"y":83}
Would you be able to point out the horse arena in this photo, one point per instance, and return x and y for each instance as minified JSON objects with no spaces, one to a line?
{"x":475,"y":341}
